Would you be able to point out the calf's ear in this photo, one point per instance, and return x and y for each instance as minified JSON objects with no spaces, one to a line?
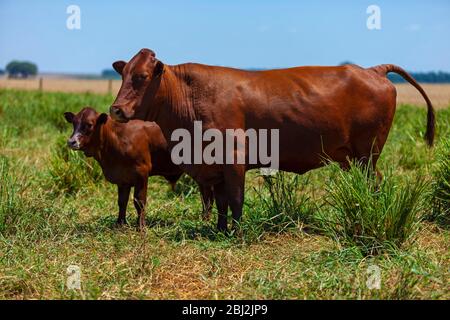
{"x":102,"y":118}
{"x":118,"y":66}
{"x":69,"y":116}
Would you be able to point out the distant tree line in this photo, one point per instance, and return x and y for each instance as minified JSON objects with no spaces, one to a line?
{"x":24,"y":69}
{"x":110,"y":74}
{"x":21,"y":69}
{"x":423,"y":77}
{"x":18,"y":69}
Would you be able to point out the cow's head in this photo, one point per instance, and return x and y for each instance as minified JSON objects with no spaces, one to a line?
{"x":137,"y":77}
{"x":85,"y":124}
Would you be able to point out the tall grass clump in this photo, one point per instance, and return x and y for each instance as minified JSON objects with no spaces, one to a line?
{"x":370,"y":214}
{"x":24,"y":214}
{"x":440,"y":212}
{"x":9,"y":201}
{"x":281,"y":203}
{"x":70,"y":171}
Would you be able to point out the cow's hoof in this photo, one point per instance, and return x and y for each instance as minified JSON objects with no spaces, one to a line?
{"x":222,"y":229}
{"x":140,"y":227}
{"x":206,"y":217}
{"x":121,"y":223}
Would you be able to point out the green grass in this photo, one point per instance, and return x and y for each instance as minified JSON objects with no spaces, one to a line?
{"x":301,"y":236}
{"x":70,"y":171}
{"x":441,"y":188}
{"x":8,"y":194}
{"x":281,"y":204}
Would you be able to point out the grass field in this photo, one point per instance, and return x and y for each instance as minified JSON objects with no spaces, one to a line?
{"x":316,"y":236}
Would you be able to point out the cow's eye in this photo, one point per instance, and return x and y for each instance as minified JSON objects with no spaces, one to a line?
{"x":139,"y":78}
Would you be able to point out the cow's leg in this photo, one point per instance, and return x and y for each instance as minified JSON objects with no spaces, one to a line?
{"x":173,"y":181}
{"x":377,"y":172}
{"x":369,"y":155}
{"x":345,"y":165}
{"x":140,"y":199}
{"x":222,"y":206}
{"x":122,"y":199}
{"x":235,"y":183}
{"x":207,"y":200}
{"x":365,"y":155}
{"x":342,"y":155}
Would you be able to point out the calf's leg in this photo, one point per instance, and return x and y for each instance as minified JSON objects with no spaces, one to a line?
{"x":207,"y":200}
{"x":140,"y":199}
{"x":222,"y":206}
{"x":123,"y":196}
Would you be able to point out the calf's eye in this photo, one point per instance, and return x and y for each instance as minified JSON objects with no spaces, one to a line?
{"x":86,"y":127}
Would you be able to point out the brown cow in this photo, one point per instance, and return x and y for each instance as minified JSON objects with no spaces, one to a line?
{"x":342,"y":113}
{"x":128,"y":154}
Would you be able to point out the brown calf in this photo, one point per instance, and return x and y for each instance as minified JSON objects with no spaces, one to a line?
{"x":128,"y":154}
{"x":340,"y":113}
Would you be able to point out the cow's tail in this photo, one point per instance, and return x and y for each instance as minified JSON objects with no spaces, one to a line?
{"x":385,"y":69}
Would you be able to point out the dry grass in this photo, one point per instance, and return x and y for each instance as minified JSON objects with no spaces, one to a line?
{"x":61,"y":84}
{"x":287,"y":266}
{"x":438,"y":93}
{"x":406,"y":94}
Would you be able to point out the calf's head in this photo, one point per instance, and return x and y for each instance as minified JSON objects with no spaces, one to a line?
{"x":139,"y":76}
{"x":86,"y":124}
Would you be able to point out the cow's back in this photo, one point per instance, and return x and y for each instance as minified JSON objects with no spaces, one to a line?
{"x":323,"y":110}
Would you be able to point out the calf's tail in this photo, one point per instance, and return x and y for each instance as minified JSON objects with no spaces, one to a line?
{"x":431,"y":122}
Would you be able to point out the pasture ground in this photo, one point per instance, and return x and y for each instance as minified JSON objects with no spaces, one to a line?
{"x":58,"y":211}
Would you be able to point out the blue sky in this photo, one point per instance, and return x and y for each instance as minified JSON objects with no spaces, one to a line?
{"x":266,"y":34}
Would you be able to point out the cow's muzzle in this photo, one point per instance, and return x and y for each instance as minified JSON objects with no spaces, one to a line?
{"x":117,"y":114}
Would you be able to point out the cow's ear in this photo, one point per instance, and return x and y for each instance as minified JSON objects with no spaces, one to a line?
{"x":102,"y":118}
{"x":118,"y":66}
{"x":159,"y":67}
{"x":69,"y":116}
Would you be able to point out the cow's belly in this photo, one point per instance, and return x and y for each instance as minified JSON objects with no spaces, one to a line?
{"x":334,"y":125}
{"x":306,"y":141}
{"x":120,"y":175}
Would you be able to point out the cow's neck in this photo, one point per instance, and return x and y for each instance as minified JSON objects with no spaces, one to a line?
{"x":176,"y":105}
{"x":175,"y":100}
{"x":102,"y":142}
